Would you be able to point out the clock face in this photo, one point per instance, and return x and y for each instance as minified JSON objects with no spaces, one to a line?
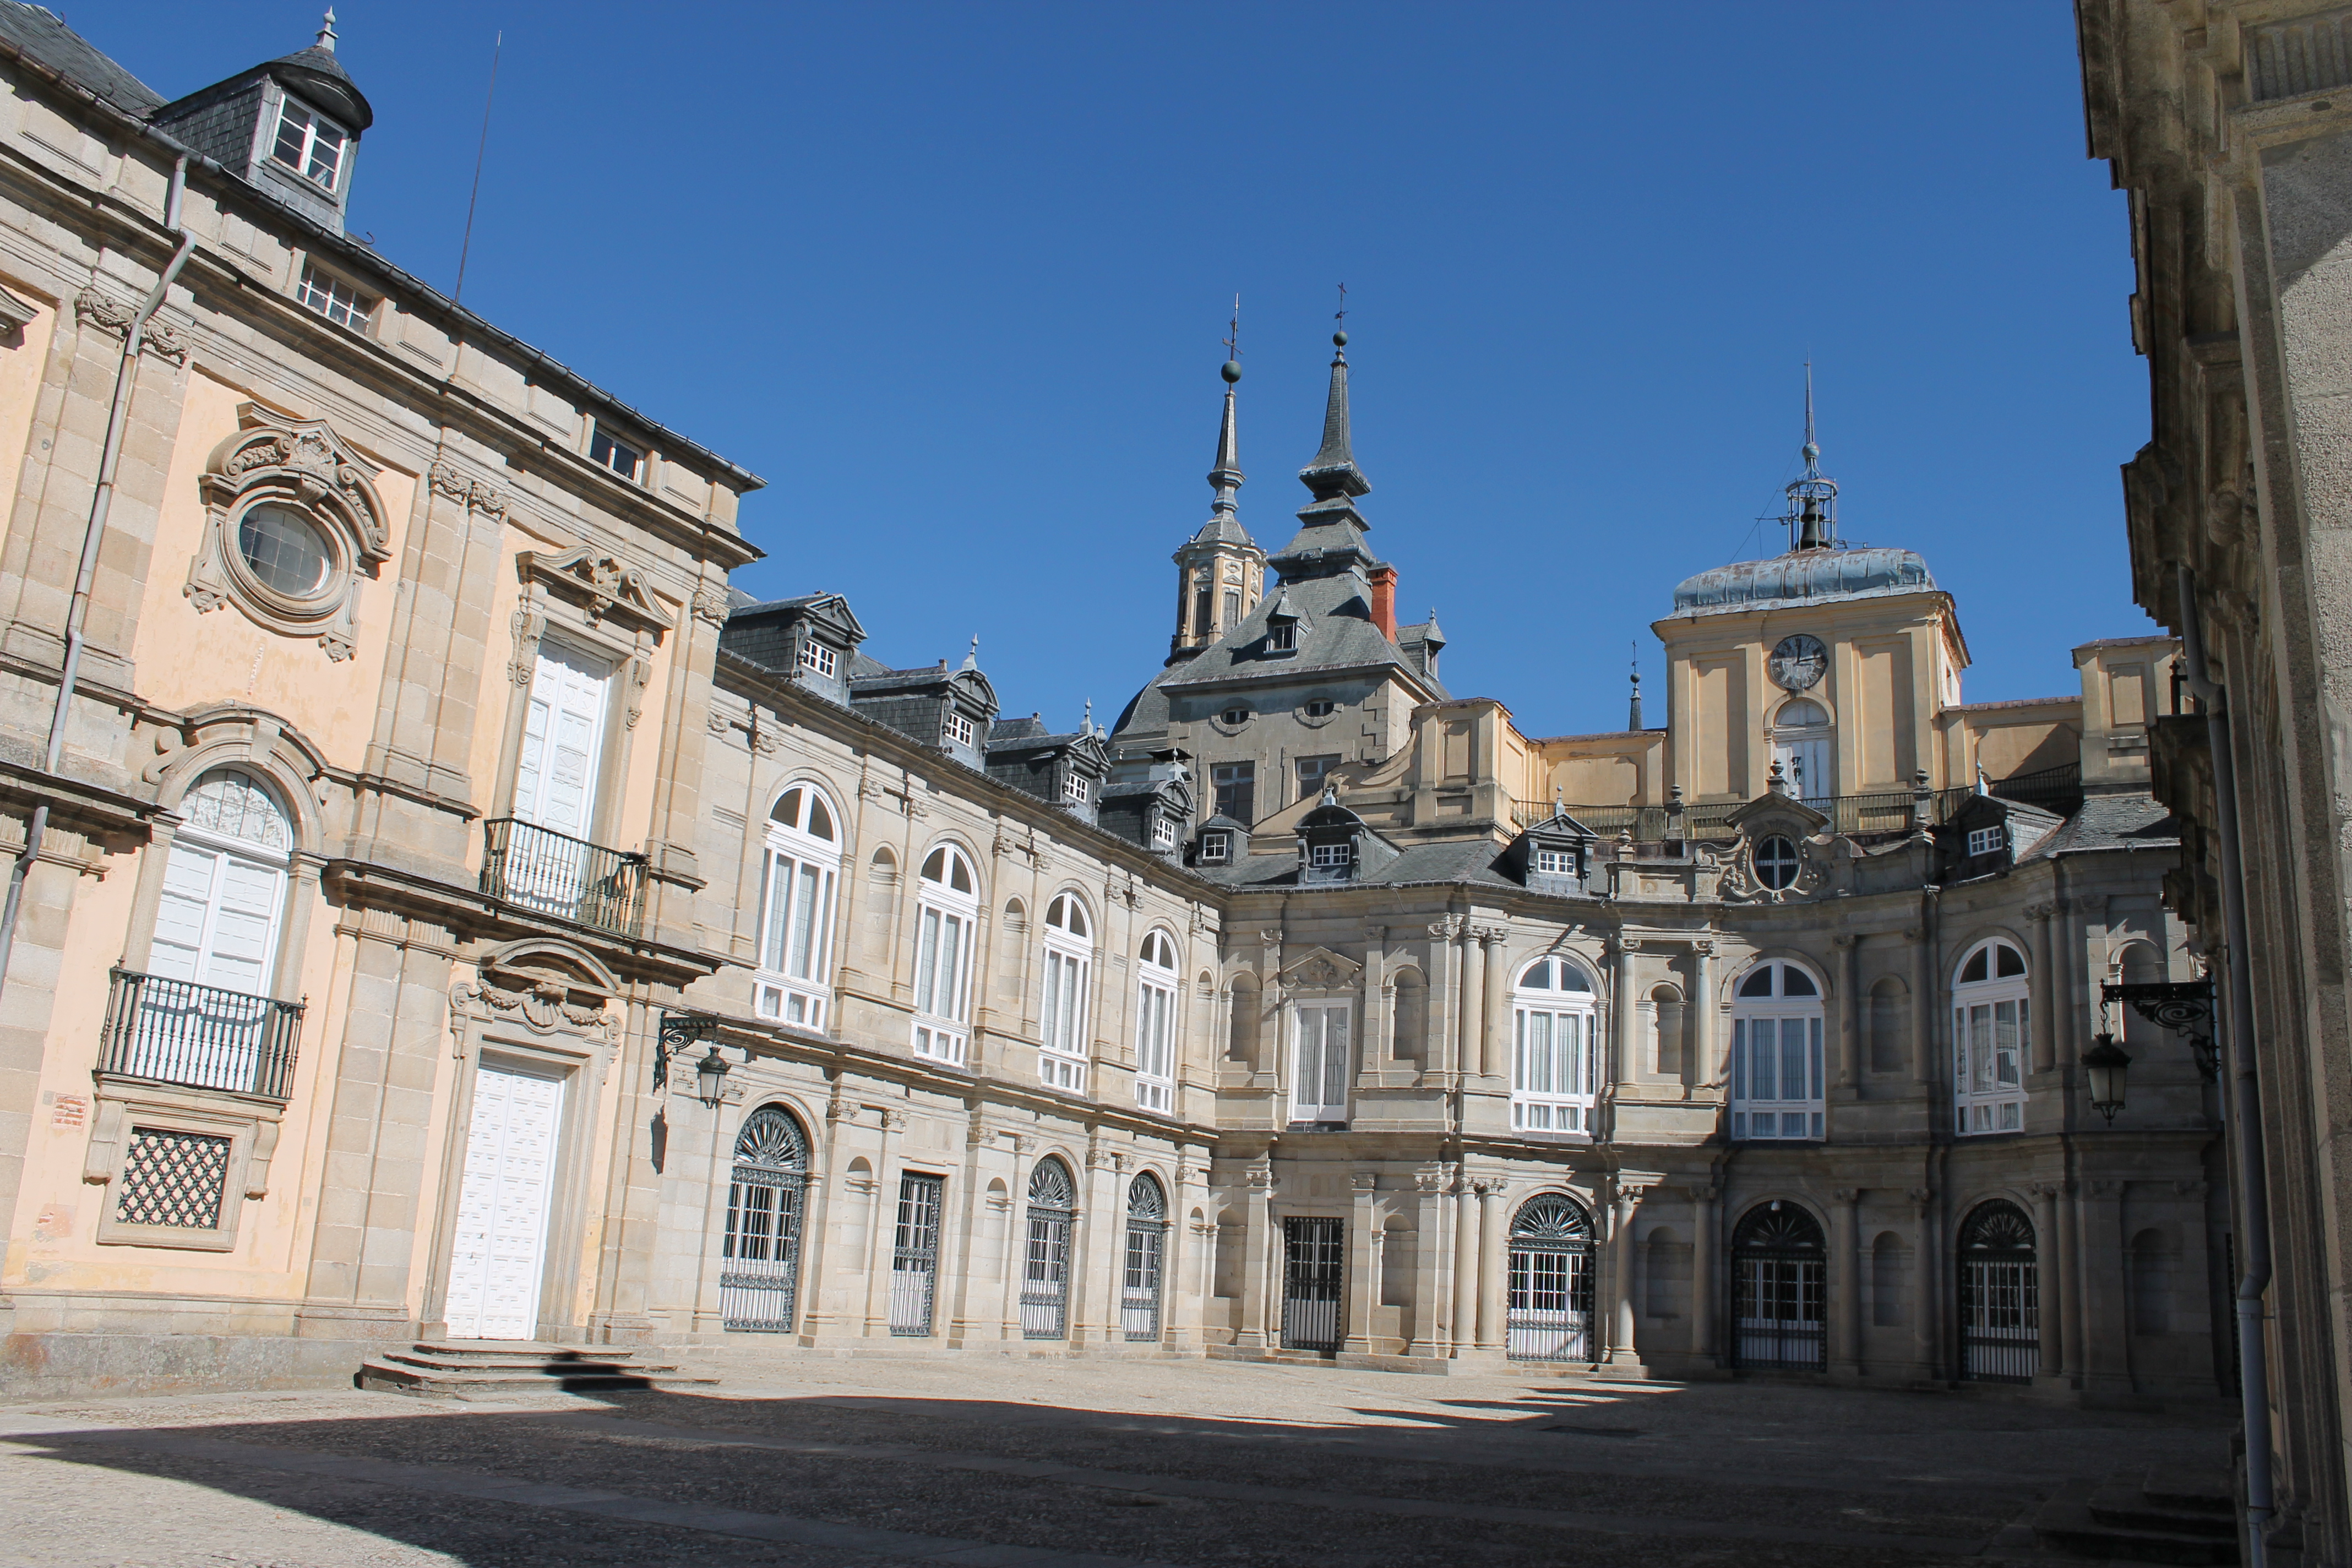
{"x":1799,"y":663}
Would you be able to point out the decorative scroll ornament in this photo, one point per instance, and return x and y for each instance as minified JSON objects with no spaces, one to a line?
{"x":1320,"y":969}
{"x":307,"y":478}
{"x":710,"y":604}
{"x":159,"y":337}
{"x":475,"y":495}
{"x":603,"y":586}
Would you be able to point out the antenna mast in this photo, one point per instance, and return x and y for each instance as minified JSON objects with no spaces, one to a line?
{"x":466,"y":246}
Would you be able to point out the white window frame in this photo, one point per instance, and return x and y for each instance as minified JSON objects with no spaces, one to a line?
{"x":1163,"y":833}
{"x":613,"y":447}
{"x":1329,"y":856}
{"x":1779,"y":1117}
{"x":311,"y":122}
{"x":1556,"y":862}
{"x":1074,"y":788}
{"x":1319,"y":1029}
{"x":338,"y":301}
{"x":1984,"y":840}
{"x":1992,"y":1022}
{"x":1216,"y":849}
{"x":1281,"y":635}
{"x":957,"y":728}
{"x":1065,"y":1002}
{"x":818,"y":657}
{"x":944,"y":918}
{"x":1155,"y":1024}
{"x":1555,"y":1049}
{"x":800,"y":875}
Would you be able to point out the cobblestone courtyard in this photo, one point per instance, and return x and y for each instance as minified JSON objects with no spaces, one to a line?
{"x":986,"y":1462}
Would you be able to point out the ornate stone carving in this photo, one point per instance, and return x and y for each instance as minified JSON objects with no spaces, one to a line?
{"x":474,"y":495}
{"x":710,"y":604}
{"x":1446,"y":928}
{"x":715,"y":720}
{"x":1320,"y":969}
{"x":603,"y":587}
{"x":159,"y":337}
{"x":1364,"y":1181}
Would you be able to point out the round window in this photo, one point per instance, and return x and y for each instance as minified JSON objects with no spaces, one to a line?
{"x":1776,"y":862}
{"x":283,"y":549}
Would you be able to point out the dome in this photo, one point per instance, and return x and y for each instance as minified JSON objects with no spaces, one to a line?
{"x":1805,"y":576}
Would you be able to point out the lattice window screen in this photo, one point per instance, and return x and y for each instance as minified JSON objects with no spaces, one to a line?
{"x":174,"y":1178}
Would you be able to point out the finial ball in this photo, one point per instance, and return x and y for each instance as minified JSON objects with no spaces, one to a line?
{"x":1811,"y":453}
{"x":1339,"y":339}
{"x":1233,"y":371}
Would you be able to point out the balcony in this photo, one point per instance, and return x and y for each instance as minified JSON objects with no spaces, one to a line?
{"x":175,"y":1031}
{"x":538,"y":869}
{"x":1894,"y":811}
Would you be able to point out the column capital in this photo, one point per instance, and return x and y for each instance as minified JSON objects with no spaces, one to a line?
{"x":1491,"y":1186}
{"x":1365,"y":1181}
{"x":1846,"y":941}
{"x":1920,"y":1197}
{"x":1849,"y":1196}
{"x":1447,"y":928}
{"x":1490,"y":936}
{"x":1429,"y":1178}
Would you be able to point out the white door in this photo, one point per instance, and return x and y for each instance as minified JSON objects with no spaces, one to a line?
{"x":216,"y":923}
{"x":1318,"y":1089}
{"x":562,"y":740}
{"x":500,"y":1247}
{"x":1806,"y":765}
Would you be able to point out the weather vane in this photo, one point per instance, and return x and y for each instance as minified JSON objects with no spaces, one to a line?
{"x":1233,"y":332}
{"x":1340,"y":316}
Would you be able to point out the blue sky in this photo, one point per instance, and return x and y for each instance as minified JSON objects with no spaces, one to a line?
{"x":953,"y":277}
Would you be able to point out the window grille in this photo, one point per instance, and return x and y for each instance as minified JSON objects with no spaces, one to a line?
{"x":1147,"y":1241}
{"x":1549,"y":1311}
{"x":1313,"y":1272}
{"x":1779,"y":1276}
{"x":2000,"y":1296}
{"x":760,"y":1252}
{"x":174,"y":1178}
{"x":332,"y":297}
{"x":1046,"y":1265}
{"x":915,"y":1260}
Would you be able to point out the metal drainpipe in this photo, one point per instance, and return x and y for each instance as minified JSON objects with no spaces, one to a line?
{"x":101,"y":501}
{"x":2244,"y":1108}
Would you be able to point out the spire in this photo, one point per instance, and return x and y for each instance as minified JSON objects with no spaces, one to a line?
{"x":1333,"y":473}
{"x":326,"y":32}
{"x":1227,"y":475}
{"x":1811,"y":517}
{"x":972,"y":659}
{"x":1633,"y":707}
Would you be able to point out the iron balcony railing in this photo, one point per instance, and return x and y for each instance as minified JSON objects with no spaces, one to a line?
{"x":2058,"y":789}
{"x":175,"y":1031}
{"x":556,"y":874}
{"x":1895,"y":811}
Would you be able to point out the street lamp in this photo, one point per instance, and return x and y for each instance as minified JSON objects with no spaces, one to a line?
{"x":710,"y":1077}
{"x":2105,"y":1065}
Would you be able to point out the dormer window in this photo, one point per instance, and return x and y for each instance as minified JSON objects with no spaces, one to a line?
{"x":1216,"y":849}
{"x":1319,"y":709}
{"x":332,"y":297}
{"x":1235,"y":715}
{"x":618,"y":456}
{"x":957,"y":729}
{"x":1556,"y":862}
{"x":815,"y":655}
{"x":309,"y":144}
{"x":1074,"y":788}
{"x":1329,"y":856}
{"x":1282,"y":636}
{"x":1163,"y":833}
{"x":1984,"y":840}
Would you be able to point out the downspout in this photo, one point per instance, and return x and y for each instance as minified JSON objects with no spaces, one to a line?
{"x":2243,"y":1110}
{"x":102,"y":501}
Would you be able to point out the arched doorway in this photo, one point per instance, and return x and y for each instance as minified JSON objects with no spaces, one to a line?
{"x":1778,"y":1277}
{"x":2000,"y":1295}
{"x":1045,"y":1268}
{"x":1147,"y":1242}
{"x":761,"y":1255}
{"x":1549,"y":1314}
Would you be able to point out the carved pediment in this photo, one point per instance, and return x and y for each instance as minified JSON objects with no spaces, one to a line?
{"x":310,"y":466}
{"x":603,"y":585}
{"x":1320,"y":969}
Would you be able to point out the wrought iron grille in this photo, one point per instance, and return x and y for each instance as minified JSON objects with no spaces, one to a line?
{"x":915,"y":1262}
{"x":760,"y":1267}
{"x":1045,"y":1266}
{"x":556,"y":874}
{"x":1549,"y":1312}
{"x":2000,"y":1296}
{"x":175,"y":1031}
{"x":1891,"y":811}
{"x":1313,"y":1270}
{"x":1779,"y":1275}
{"x":1147,"y":1243}
{"x":174,"y":1178}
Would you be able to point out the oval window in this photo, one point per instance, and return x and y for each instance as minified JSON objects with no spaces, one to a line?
{"x":283,"y":549}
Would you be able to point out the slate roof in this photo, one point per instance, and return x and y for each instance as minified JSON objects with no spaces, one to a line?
{"x":2113,"y":822}
{"x":1804,"y":576}
{"x":46,"y":38}
{"x":1462,"y":860}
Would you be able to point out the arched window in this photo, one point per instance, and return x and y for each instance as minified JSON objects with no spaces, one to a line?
{"x":1147,"y":1242}
{"x":947,"y":905}
{"x":1155,"y":1023}
{"x":1549,"y":1314}
{"x":1776,"y":1053}
{"x":1555,"y":1058}
{"x":760,"y":1251}
{"x":204,"y":1013}
{"x":1665,"y":1030}
{"x":799,"y":867}
{"x":1988,"y":1032}
{"x":2001,"y":1304}
{"x":1779,"y":1276}
{"x":1045,"y":1268}
{"x":1062,"y":1014}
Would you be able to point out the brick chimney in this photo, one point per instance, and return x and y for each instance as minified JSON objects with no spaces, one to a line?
{"x":1383,"y":579}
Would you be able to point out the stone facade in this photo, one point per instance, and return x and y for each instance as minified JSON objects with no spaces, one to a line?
{"x":456,"y":914}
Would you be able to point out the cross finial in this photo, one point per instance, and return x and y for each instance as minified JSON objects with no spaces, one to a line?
{"x":1341,"y":315}
{"x":1812,"y":447}
{"x":1233,"y":332}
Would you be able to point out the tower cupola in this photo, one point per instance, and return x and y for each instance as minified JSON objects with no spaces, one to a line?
{"x":1221,"y":571}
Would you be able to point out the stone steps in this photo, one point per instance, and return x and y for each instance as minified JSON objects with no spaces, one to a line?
{"x":2161,"y":1516}
{"x":487,"y":1369}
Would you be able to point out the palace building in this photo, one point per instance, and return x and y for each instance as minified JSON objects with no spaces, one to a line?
{"x":445,"y":913}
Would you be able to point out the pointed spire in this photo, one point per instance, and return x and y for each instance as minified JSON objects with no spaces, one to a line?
{"x":326,"y":32}
{"x":1227,"y":475}
{"x":1633,"y":707}
{"x":1811,"y":517}
{"x":972,"y":659}
{"x":1333,"y":473}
